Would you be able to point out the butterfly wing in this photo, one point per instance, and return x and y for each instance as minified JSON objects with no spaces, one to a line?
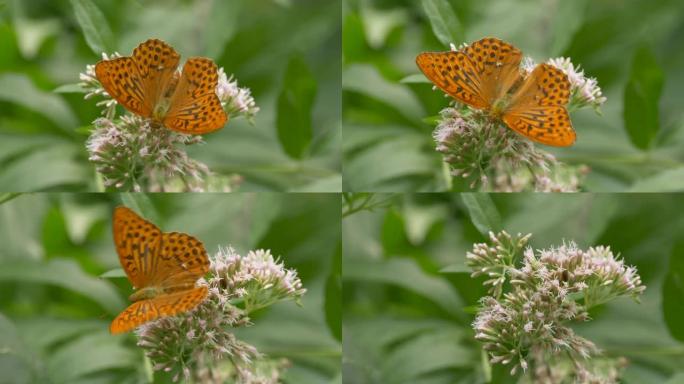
{"x":456,"y":74}
{"x":137,"y":242}
{"x":156,"y":63}
{"x":182,"y":260}
{"x":136,"y":314}
{"x":478,"y":75}
{"x":120,"y":78}
{"x":143,"y":311}
{"x":537,"y":109}
{"x":195,"y":107}
{"x":498,"y":64}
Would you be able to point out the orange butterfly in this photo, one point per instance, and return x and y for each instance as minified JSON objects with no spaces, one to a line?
{"x":163,"y":267}
{"x":486,"y":75}
{"x":148,"y":85}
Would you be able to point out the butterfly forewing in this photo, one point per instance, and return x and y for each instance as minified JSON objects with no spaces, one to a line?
{"x":498,"y":64}
{"x":195,"y":107}
{"x":537,"y":109}
{"x":137,"y":242}
{"x":456,"y":74}
{"x":120,"y":78}
{"x":156,"y":63}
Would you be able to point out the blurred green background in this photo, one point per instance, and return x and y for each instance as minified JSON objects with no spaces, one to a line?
{"x":55,"y":310}
{"x":293,"y":146}
{"x":634,"y":48}
{"x":406,"y":321}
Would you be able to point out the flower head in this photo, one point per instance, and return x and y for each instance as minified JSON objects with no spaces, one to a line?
{"x":550,"y":289}
{"x":491,"y":157}
{"x":584,"y":91}
{"x":192,"y":344}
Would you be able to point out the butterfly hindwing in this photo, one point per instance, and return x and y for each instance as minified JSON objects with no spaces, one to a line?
{"x":174,"y":303}
{"x":537,"y":109}
{"x":195,"y":107}
{"x":182,"y":260}
{"x":136,"y":314}
{"x":456,"y":74}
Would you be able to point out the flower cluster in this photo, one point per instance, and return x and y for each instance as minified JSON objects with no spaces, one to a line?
{"x":529,"y":324}
{"x":584,"y":91}
{"x":137,"y":154}
{"x":199,"y":346}
{"x":491,"y":157}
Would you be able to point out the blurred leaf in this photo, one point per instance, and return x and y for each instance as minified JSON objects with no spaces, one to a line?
{"x":365,"y":79}
{"x":409,"y":361}
{"x":52,"y":167}
{"x":17,"y":363}
{"x":407,"y":274}
{"x":89,"y":354}
{"x":677,"y":378}
{"x":333,"y":296}
{"x":116,"y":272}
{"x":483,"y":212}
{"x":5,"y":197}
{"x":69,"y":88}
{"x":445,"y":24}
{"x":416,"y":78}
{"x":395,"y":157}
{"x":671,"y":180}
{"x":141,"y":204}
{"x":673,"y":293}
{"x":97,"y":33}
{"x":65,"y":273}
{"x":642,"y":98}
{"x":17,"y":88}
{"x":295,"y":101}
{"x":568,"y":18}
{"x":328,"y":184}
{"x":221,"y":25}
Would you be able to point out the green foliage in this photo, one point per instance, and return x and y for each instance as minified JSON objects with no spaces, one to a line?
{"x":57,"y":301}
{"x":389,"y":108}
{"x":45,"y":120}
{"x":407,"y":320}
{"x":294,"y":108}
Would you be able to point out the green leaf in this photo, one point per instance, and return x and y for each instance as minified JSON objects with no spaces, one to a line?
{"x":642,"y":98}
{"x":424,"y":354}
{"x":51,"y":167}
{"x":114,"y":273}
{"x":295,"y":102}
{"x":444,"y":22}
{"x":97,"y":33}
{"x":673,"y":293}
{"x":141,"y":204}
{"x":333,"y":296}
{"x":221,"y":25}
{"x":65,"y":273}
{"x":89,"y":354}
{"x":483,"y":212}
{"x":416,"y":78}
{"x":407,"y":274}
{"x":69,"y":88}
{"x":671,"y":180}
{"x":17,"y":363}
{"x":366,"y":79}
{"x":18,"y":89}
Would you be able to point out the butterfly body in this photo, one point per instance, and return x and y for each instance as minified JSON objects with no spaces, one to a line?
{"x":486,"y":75}
{"x":164,"y":267}
{"x":147,"y":84}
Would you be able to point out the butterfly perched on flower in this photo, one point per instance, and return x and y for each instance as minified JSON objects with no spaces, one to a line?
{"x":486,"y":75}
{"x":163,"y":267}
{"x":147,"y":84}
